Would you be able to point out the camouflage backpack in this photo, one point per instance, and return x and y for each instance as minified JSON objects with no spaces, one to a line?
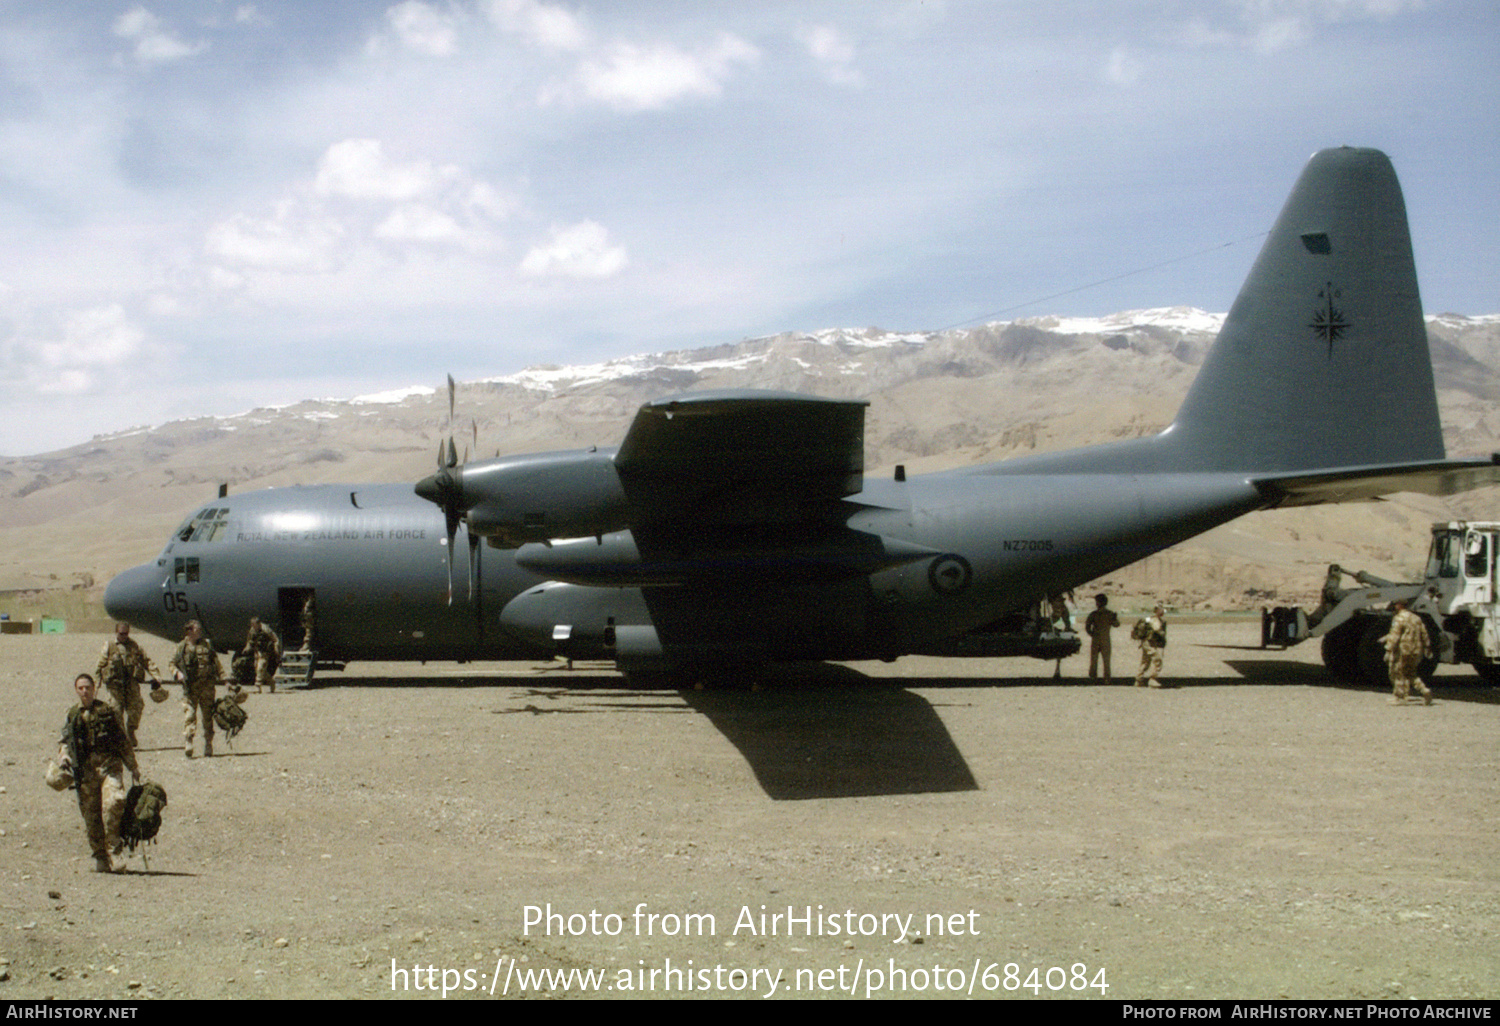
{"x":230,"y":716}
{"x":143,"y":805}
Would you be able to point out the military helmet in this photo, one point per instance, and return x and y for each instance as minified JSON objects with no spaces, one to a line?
{"x":158,"y":693}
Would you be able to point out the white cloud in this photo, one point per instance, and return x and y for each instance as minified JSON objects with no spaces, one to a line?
{"x":579,"y":251}
{"x":359,"y":169}
{"x":424,"y":29}
{"x":288,"y":241}
{"x":628,"y":75}
{"x":89,"y":344}
{"x":417,"y":222}
{"x":153,"y":43}
{"x":833,"y":53}
{"x":545,"y":25}
{"x":638,"y":78}
{"x":314,"y":229}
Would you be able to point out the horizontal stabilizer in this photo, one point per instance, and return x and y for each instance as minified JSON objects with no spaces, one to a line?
{"x":1357,"y":484}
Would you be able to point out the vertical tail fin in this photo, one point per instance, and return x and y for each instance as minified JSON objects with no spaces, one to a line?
{"x":1322,"y":361}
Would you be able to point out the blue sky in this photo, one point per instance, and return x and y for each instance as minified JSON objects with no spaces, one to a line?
{"x":211,"y":206}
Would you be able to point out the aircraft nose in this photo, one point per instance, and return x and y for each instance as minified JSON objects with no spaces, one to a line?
{"x":135,"y":596}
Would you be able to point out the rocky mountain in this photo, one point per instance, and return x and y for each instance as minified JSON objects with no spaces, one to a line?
{"x":70,"y":519}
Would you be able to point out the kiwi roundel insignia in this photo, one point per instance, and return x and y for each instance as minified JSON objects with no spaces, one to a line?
{"x":950,"y":574}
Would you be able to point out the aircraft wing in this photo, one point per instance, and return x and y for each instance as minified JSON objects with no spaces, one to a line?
{"x":740,"y":457}
{"x":1355,"y":484}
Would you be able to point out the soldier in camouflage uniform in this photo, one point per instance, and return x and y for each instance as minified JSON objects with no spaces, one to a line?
{"x":96,"y":749}
{"x":1152,"y":634}
{"x":263,"y":644}
{"x":1406,"y":645}
{"x":122,"y":667}
{"x":196,"y":664}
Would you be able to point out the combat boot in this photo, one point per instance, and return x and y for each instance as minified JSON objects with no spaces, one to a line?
{"x":103,"y":864}
{"x":208,"y":748}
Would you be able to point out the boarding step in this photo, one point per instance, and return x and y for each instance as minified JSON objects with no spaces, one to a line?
{"x":296,"y":669}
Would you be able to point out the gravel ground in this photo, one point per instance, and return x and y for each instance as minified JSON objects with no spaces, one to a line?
{"x":1250,"y":831}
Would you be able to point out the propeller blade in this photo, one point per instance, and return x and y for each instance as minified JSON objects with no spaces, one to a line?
{"x":473,"y":562}
{"x":451,"y":517}
{"x":476,"y":565}
{"x":445,"y":491}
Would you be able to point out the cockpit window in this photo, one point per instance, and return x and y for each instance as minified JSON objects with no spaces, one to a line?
{"x":209,"y":525}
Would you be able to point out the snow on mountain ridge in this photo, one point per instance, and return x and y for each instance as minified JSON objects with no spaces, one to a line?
{"x":1182,"y":318}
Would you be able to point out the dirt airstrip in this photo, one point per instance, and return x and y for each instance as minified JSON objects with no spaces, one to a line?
{"x":1251,"y":831}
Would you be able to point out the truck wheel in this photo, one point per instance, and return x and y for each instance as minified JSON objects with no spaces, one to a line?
{"x":1341,"y":651}
{"x":1371,"y":653}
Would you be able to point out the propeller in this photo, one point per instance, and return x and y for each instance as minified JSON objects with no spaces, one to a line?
{"x":444,"y":489}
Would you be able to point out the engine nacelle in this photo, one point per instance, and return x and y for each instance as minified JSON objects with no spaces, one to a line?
{"x":518,"y":499}
{"x":583,"y":623}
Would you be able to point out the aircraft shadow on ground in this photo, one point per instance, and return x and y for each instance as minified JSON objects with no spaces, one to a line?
{"x":832,"y":732}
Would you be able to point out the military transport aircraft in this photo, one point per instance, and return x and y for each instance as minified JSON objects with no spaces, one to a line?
{"x":733,"y":528}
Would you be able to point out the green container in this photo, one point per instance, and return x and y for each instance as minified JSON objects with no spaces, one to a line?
{"x":52,"y":625}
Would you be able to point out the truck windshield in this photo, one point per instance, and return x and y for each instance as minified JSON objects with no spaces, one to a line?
{"x":1443,"y":562}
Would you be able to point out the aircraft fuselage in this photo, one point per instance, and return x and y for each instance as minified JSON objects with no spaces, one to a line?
{"x":969,"y":547}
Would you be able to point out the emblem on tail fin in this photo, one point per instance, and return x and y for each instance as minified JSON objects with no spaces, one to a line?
{"x":1328,"y":322}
